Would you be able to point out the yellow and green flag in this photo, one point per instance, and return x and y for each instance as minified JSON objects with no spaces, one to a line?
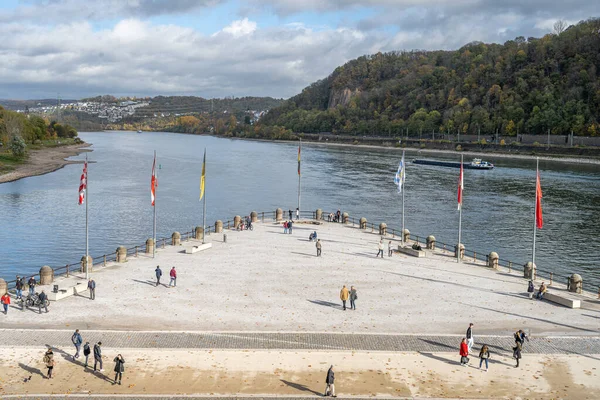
{"x":203,"y":177}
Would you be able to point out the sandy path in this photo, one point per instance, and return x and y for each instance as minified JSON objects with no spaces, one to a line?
{"x":43,"y":161}
{"x":302,"y":373}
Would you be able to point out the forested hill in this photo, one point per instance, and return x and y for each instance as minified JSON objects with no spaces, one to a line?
{"x":526,"y":85}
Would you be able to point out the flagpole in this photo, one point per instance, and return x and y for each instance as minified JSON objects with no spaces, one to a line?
{"x":87,"y":200}
{"x":537,"y":171}
{"x":154,"y":225}
{"x":204,"y":195}
{"x":402,"y":182}
{"x":299,"y":175}
{"x":460,"y":212}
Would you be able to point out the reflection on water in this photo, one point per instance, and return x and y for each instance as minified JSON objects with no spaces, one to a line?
{"x":42,"y":223}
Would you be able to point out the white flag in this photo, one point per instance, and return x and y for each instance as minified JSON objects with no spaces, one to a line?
{"x":400,"y":175}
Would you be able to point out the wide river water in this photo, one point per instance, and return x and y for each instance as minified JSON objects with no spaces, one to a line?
{"x":42,"y":224}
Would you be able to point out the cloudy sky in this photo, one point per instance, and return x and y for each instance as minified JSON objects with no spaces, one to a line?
{"x":218,"y":48}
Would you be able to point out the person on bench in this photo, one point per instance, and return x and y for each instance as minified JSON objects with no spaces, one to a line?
{"x":541,"y":291}
{"x":312,"y":236}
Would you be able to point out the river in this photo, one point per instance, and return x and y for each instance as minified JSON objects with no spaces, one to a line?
{"x":42,"y":224}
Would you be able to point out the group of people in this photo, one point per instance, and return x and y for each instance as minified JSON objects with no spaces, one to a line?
{"x":346,"y":295}
{"x":297,"y":214}
{"x":541,"y":291}
{"x":337,"y":217}
{"x":77,"y":341}
{"x":484,"y":354}
{"x":287,"y":226}
{"x":381,"y":246}
{"x":172,"y":275}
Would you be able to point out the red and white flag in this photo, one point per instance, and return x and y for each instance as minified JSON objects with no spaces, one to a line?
{"x":539,"y":221}
{"x":460,"y":186}
{"x":83,"y":184}
{"x":153,"y":182}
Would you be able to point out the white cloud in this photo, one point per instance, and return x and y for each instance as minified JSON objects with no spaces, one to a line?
{"x":240,"y":28}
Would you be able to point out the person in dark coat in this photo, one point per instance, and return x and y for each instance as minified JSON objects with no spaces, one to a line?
{"x":329,"y":379}
{"x":31,"y":284}
{"x":530,"y":290}
{"x":158,"y":272}
{"x":517,"y":353}
{"x":119,"y":368}
{"x":98,"y":356}
{"x":353,"y":297}
{"x":92,"y":289}
{"x":42,"y":302}
{"x":86,"y":352}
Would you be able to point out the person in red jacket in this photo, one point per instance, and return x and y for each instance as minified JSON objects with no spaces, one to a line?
{"x":464,"y":352}
{"x":173,"y":275}
{"x":5,"y":302}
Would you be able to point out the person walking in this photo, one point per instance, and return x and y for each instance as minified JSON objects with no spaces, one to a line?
{"x":173,"y":275}
{"x":86,"y":352}
{"x":520,"y":337}
{"x":290,"y":214}
{"x":297,"y":214}
{"x":464,"y":353}
{"x":119,"y":368}
{"x":290,"y":224}
{"x":530,"y":289}
{"x":158,"y":273}
{"x":92,"y":289}
{"x":31,"y":284}
{"x":541,"y":291}
{"x":98,"y":356}
{"x":380,"y":249}
{"x":19,"y":288}
{"x":42,"y":302}
{"x":49,"y":362}
{"x":353,"y":297}
{"x":5,"y":300}
{"x":344,"y":295}
{"x":517,"y":353}
{"x":390,"y":249}
{"x":318,"y":247}
{"x":77,"y":340}
{"x":484,"y":355}
{"x":338,"y":216}
{"x":470,"y":339}
{"x":329,"y":383}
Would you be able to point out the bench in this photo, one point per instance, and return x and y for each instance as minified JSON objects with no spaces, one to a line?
{"x":563,"y":300}
{"x":195,"y":249}
{"x":412,"y":252}
{"x":65,"y":292}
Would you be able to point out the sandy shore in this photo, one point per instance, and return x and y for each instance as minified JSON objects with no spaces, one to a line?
{"x":265,"y":280}
{"x":43,"y":161}
{"x":302,"y":373}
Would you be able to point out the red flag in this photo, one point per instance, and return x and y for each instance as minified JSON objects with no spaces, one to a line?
{"x":460,"y":186}
{"x":539,"y":221}
{"x":153,"y":182}
{"x":83,"y":184}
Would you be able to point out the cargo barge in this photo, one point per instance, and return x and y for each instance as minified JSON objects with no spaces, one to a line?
{"x":475,"y":164}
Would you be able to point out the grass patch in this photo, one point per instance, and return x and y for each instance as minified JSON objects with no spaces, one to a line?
{"x":8,"y":162}
{"x":41,"y":144}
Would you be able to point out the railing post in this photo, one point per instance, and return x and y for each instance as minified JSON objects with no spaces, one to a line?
{"x":509,"y":267}
{"x":263,"y":216}
{"x":444,"y":247}
{"x":599,"y":292}
{"x":136,"y":251}
{"x":551,"y":277}
{"x":104,"y":261}
{"x":474,"y":256}
{"x":67,"y":267}
{"x":163,"y":246}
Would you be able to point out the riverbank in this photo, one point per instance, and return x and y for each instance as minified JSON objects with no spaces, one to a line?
{"x":43,"y":161}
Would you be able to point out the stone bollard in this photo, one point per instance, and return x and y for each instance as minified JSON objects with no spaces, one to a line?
{"x":254,"y":216}
{"x":493,"y":260}
{"x":237,"y":220}
{"x":198,"y":233}
{"x":345,"y":218}
{"x":319,"y":214}
{"x":278,"y":215}
{"x":459,"y":247}
{"x":363,"y":223}
{"x":405,"y":235}
{"x":430,"y":242}
{"x":121,"y":254}
{"x":383,"y":229}
{"x":176,"y":239}
{"x":575,"y":284}
{"x":90,"y":264}
{"x":150,"y":246}
{"x":219,"y":226}
{"x":529,"y":270}
{"x":46,"y":275}
{"x":3,"y":287}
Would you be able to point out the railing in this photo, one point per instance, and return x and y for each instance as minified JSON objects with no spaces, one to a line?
{"x":469,"y":254}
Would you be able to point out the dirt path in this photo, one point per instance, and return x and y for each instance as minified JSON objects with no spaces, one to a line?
{"x":44,"y":161}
